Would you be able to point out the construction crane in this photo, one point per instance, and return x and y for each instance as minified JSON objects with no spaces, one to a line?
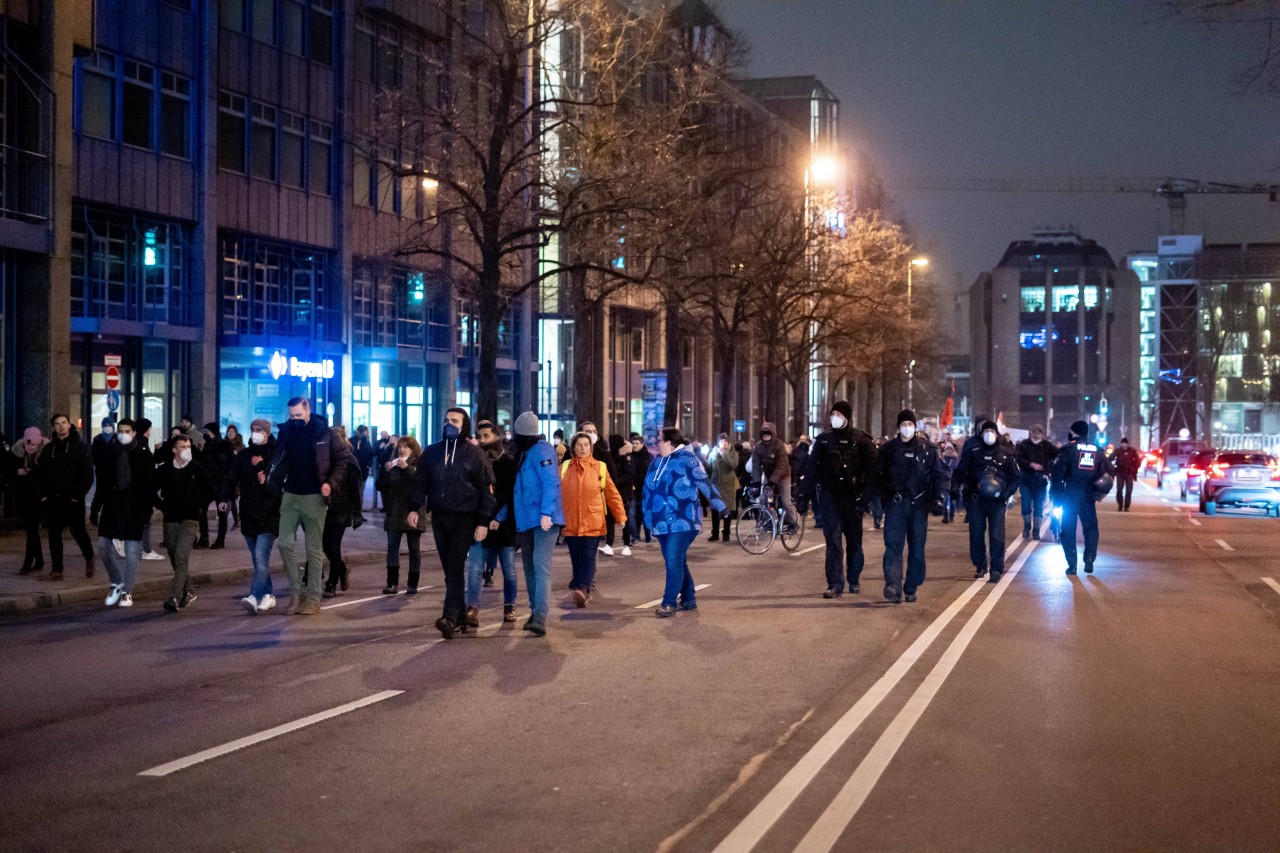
{"x":1173,"y":190}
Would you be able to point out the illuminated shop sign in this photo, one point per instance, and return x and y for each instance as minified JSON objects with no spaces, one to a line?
{"x":297,"y":369}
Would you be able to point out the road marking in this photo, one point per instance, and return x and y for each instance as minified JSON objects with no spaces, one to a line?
{"x":1195,"y":522}
{"x":826,"y":831}
{"x":658,"y":601}
{"x":370,"y":598}
{"x":1166,"y":500}
{"x":251,"y":740}
{"x":1271,"y":582}
{"x":306,"y":679}
{"x":810,"y":549}
{"x":1224,"y":545}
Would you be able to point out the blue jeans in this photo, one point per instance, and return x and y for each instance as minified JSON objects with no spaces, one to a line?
{"x":675,"y":551}
{"x":477,"y":559}
{"x":582,"y":556}
{"x":121,"y":571}
{"x":260,"y":552}
{"x":536,"y":546}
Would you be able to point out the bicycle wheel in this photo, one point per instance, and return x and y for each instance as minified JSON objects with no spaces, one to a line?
{"x":756,"y":530}
{"x":791,"y":534}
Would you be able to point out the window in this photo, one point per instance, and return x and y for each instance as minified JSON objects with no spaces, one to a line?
{"x":362,"y":179}
{"x":1033,"y":300}
{"x":98,"y":96}
{"x":320,"y":164}
{"x":231,"y":14}
{"x":126,"y":267}
{"x":278,"y":289}
{"x":321,"y":45}
{"x":263,"y":14}
{"x":231,"y":132}
{"x":386,"y":187}
{"x":388,"y":59}
{"x":362,"y":49}
{"x":637,"y":345}
{"x":139,"y":104}
{"x":263,"y":142}
{"x":293,"y":141}
{"x":293,"y":16}
{"x":175,"y":115}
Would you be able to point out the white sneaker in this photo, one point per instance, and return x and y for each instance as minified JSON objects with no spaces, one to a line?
{"x":268,"y":602}
{"x":119,"y":546}
{"x":126,"y":600}
{"x":626,"y":550}
{"x":114,"y":596}
{"x":606,"y":550}
{"x":250,"y":603}
{"x":151,"y":555}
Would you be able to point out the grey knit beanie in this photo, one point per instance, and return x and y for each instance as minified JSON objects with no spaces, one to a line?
{"x":527,"y":424}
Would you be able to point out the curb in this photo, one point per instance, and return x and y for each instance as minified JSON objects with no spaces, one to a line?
{"x":208,"y":577}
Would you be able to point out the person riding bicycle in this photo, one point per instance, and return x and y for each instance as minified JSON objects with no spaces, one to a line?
{"x":771,"y":465}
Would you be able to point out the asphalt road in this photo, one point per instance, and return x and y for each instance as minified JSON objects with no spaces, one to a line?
{"x":1134,"y":709}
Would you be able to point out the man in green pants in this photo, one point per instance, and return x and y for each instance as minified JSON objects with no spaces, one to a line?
{"x":308,"y":468}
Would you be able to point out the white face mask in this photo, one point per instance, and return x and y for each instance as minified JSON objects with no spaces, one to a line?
{"x":108,"y":430}
{"x":185,"y":454}
{"x":125,"y":438}
{"x":258,"y":437}
{"x":907,"y":431}
{"x":594,"y":437}
{"x":1035,"y":440}
{"x":989,"y":437}
{"x":837,"y":422}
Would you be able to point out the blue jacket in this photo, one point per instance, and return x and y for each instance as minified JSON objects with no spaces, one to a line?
{"x":537,"y":489}
{"x":671,"y":493}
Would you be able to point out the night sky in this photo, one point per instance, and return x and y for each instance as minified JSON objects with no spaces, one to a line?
{"x":950,"y":89}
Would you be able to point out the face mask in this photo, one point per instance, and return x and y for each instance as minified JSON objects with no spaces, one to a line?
{"x":108,"y":430}
{"x":766,"y":437}
{"x":258,"y":437}
{"x":559,"y":441}
{"x":593,"y":436}
{"x":1035,"y":440}
{"x":451,"y":432}
{"x":907,"y":431}
{"x":125,"y":438}
{"x":989,"y":437}
{"x":837,"y":421}
{"x":185,"y":454}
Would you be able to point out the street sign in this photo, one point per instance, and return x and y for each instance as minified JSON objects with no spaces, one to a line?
{"x":113,"y":401}
{"x":739,"y":426}
{"x":112,"y":361}
{"x":113,"y":377}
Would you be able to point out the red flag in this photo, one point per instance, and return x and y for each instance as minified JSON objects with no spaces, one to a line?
{"x":948,"y":416}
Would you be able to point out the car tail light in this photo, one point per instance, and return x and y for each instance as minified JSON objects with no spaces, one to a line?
{"x":1166,"y":467}
{"x":1193,"y":471}
{"x":1218,"y":469}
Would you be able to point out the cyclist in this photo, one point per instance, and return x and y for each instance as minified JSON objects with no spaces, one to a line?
{"x":771,"y":464}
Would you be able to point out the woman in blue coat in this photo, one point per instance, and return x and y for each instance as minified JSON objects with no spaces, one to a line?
{"x":673,"y":513}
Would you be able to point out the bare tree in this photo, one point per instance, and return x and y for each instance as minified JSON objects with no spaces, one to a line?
{"x":1254,"y":23}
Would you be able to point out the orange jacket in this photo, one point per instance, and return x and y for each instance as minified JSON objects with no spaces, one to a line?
{"x":584,"y":505}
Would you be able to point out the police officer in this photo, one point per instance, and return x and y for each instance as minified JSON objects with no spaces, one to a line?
{"x":1076,"y":470}
{"x":912,"y":479}
{"x":1126,"y":462}
{"x":990,"y":475}
{"x":842,"y":463}
{"x":1035,"y":460}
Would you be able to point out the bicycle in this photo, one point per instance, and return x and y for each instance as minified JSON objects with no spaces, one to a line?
{"x":764,"y":521}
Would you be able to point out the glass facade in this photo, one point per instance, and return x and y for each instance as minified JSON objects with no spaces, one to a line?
{"x":129,"y":267}
{"x":279,"y":290}
{"x":257,"y":382}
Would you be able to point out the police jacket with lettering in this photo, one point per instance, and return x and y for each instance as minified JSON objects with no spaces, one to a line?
{"x":913,"y":470}
{"x":843,"y":463}
{"x":1077,"y":466}
{"x":999,"y":459}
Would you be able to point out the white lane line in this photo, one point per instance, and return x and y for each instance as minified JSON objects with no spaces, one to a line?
{"x":1166,"y":500}
{"x":306,"y":679}
{"x":810,"y":549}
{"x":658,"y":601}
{"x":1271,"y":582}
{"x":218,"y":751}
{"x":767,"y":812}
{"x":1195,"y":522}
{"x":826,"y":831}
{"x":1224,"y":545}
{"x":370,"y":598}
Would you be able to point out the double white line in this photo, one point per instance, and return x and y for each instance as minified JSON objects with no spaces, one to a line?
{"x":826,"y":831}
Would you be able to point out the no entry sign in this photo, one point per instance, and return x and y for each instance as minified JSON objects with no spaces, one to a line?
{"x":113,"y":377}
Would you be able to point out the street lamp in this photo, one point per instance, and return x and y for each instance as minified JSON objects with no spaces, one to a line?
{"x":921,"y":262}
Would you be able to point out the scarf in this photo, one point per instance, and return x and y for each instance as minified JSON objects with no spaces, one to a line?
{"x":124,"y":470}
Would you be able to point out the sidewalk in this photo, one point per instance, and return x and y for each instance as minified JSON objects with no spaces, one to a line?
{"x":363,"y":549}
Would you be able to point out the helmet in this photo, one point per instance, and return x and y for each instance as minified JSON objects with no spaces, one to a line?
{"x":1102,"y":486}
{"x":990,"y":486}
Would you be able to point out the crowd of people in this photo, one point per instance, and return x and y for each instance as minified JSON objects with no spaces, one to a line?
{"x":489,"y":496}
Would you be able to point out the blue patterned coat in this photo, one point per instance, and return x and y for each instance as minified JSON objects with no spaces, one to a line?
{"x":671,"y":493}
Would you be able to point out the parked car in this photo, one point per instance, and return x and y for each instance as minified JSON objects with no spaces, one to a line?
{"x":1197,"y":465}
{"x":1174,"y":455}
{"x":1241,"y":478}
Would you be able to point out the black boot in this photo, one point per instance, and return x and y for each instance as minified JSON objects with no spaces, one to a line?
{"x":1026,"y":528}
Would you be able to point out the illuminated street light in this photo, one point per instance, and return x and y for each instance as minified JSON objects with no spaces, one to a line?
{"x":824,"y":170}
{"x":921,"y":262}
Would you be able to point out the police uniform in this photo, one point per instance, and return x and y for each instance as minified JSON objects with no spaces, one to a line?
{"x":842,"y":463}
{"x":1078,"y":466}
{"x":990,"y":476}
{"x":912,"y":479}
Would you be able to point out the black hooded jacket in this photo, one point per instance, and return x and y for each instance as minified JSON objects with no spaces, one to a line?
{"x":65,"y":470}
{"x":259,"y":504}
{"x":454,"y":476}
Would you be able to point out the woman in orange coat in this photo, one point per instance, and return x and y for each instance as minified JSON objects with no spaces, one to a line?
{"x":586,"y":488}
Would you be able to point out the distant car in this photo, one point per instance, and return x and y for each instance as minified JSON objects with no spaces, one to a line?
{"x":1241,"y":478}
{"x":1174,"y":454}
{"x":1197,"y":465}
